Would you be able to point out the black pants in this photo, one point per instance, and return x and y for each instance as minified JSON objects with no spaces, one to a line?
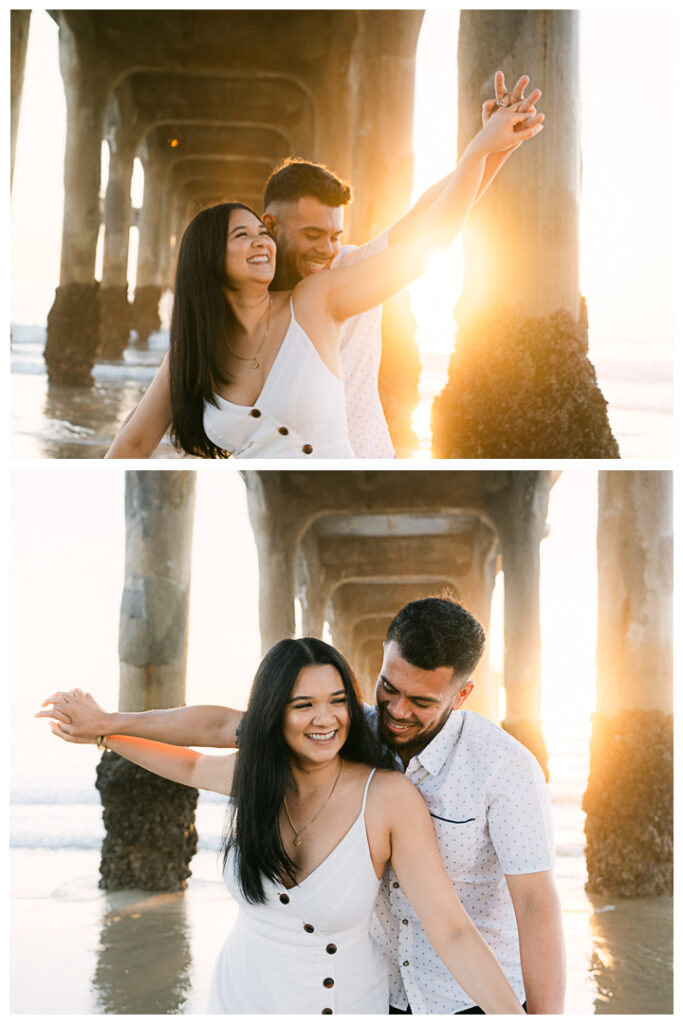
{"x":472,"y":1009}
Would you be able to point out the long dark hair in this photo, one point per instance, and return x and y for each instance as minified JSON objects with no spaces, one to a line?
{"x":201,"y":319}
{"x":262,"y":767}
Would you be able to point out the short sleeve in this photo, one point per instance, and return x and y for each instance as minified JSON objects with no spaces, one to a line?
{"x":519,"y":815}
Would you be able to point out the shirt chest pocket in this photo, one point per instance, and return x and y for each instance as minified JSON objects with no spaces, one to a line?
{"x":464,"y":844}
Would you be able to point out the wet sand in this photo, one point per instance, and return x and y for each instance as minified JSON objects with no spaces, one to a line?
{"x":80,"y":423}
{"x":77,"y":950}
{"x":77,"y":422}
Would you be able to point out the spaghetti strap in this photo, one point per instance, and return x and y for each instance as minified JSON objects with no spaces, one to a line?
{"x":300,"y":411}
{"x":365,"y":791}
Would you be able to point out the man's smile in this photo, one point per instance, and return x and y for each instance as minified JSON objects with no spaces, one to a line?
{"x":396,"y":725}
{"x":316,"y":264}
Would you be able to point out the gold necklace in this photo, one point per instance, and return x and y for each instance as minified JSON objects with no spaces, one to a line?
{"x":298,"y":834}
{"x":254,"y":358}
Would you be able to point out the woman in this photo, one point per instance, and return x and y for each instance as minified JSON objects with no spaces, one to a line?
{"x":316,"y":818}
{"x":253,"y":373}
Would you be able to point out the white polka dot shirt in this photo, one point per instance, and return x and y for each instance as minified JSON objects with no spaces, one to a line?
{"x":490,"y":809}
{"x":361,"y":351}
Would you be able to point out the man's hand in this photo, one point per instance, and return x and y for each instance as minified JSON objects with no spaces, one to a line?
{"x":76,"y":715}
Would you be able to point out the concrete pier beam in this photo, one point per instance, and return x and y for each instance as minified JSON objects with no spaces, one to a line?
{"x":629,"y":799}
{"x":19,"y":28}
{"x":384,"y":70}
{"x":115,"y":313}
{"x":520,"y":382}
{"x":73,"y":321}
{"x":144,"y":315}
{"x":520,"y":513}
{"x":276,"y":544}
{"x":155,"y":603}
{"x":149,"y":821}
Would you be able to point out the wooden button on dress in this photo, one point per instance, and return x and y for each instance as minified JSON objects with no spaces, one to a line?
{"x":284,"y":898}
{"x":328,"y":982}
{"x":255,"y":413}
{"x":283,"y":431}
{"x":309,"y":928}
{"x":331,"y":948}
{"x":327,"y":1010}
{"x":307,"y":449}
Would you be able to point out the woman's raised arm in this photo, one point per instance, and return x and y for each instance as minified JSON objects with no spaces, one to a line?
{"x":347,"y":291}
{"x":144,"y":428}
{"x":419,"y":868}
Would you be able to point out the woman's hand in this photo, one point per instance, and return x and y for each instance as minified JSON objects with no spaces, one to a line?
{"x":58,"y":730}
{"x":143,"y":429}
{"x":505,"y":98}
{"x":508,"y":126}
{"x":77,"y":717}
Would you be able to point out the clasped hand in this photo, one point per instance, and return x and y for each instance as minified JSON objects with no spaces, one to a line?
{"x":510,"y":118}
{"x":76,"y":716}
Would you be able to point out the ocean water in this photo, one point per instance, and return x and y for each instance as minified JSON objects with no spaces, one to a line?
{"x":68,"y":422}
{"x":635,"y":378}
{"x":153,"y":953}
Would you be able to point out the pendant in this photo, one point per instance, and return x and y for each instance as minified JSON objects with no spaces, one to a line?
{"x":256,"y":363}
{"x":297,"y":840}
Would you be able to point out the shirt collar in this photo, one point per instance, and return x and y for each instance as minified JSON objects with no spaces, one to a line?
{"x":435,"y":753}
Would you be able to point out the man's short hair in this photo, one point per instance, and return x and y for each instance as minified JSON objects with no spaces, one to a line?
{"x":437,"y":631}
{"x":294,"y":179}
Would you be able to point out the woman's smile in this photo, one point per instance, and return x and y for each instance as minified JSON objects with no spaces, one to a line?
{"x":322,"y":737}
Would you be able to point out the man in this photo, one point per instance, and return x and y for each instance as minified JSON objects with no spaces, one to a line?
{"x":485,"y":791}
{"x":304,"y":209}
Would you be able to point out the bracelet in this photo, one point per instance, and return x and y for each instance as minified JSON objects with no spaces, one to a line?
{"x":102,"y":743}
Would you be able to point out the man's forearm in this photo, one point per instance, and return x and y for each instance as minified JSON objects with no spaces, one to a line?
{"x":493,"y":164}
{"x":200,"y":725}
{"x":541,"y":945}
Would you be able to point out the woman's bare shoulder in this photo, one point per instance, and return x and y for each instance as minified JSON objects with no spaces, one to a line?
{"x":313,"y":289}
{"x":392,"y":785}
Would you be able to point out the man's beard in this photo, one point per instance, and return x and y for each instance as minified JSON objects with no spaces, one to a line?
{"x":410,"y":747}
{"x":287,"y":275}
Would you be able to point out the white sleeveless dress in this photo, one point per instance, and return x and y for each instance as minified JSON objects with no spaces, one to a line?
{"x":299,"y":414}
{"x":307,"y":949}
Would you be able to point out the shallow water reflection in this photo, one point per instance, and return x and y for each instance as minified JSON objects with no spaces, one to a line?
{"x":127,"y":979}
{"x":76,"y":422}
{"x":632,"y":963}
